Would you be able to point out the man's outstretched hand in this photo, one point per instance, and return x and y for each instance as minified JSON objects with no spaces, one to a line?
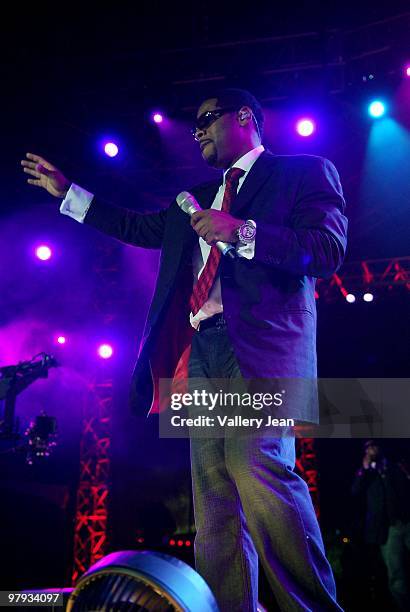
{"x":45,"y":175}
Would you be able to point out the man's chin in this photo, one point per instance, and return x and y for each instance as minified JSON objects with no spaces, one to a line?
{"x":211,"y":159}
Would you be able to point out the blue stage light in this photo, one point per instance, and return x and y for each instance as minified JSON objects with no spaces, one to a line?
{"x":376,"y":109}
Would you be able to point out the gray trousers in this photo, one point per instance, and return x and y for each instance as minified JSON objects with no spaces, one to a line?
{"x":250,"y":504}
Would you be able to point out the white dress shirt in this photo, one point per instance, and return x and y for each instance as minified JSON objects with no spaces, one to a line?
{"x":214,"y":305}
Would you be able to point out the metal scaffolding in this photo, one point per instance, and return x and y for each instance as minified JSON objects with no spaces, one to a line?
{"x":383,"y":276}
{"x":91,"y":517}
{"x":307,"y":466}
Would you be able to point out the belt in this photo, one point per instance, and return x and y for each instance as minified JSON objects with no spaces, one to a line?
{"x":216,"y":321}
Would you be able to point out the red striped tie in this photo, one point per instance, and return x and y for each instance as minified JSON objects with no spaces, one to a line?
{"x":206,"y":280}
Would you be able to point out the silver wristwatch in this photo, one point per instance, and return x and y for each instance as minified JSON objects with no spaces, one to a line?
{"x":246,"y":232}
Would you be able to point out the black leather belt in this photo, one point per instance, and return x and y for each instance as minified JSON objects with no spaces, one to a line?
{"x":216,"y":320}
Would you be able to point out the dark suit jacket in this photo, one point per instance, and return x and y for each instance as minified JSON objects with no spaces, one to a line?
{"x":269,"y":302}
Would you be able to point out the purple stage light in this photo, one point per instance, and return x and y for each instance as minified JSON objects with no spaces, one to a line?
{"x":43,"y":252}
{"x":157,"y":118}
{"x":407,"y":70}
{"x":111,"y":149}
{"x":61,"y":340}
{"x":305,"y":127}
{"x":105,"y":351}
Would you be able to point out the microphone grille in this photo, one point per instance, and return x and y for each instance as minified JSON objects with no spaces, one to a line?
{"x":187,"y":202}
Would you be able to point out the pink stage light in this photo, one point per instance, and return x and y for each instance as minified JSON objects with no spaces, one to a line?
{"x":43,"y":252}
{"x":111,"y":149}
{"x":61,"y":340}
{"x":305,"y":127}
{"x":157,"y":118}
{"x":105,"y":351}
{"x":350,"y":298}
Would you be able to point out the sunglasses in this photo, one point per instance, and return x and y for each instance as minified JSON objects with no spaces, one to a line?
{"x":206,"y":119}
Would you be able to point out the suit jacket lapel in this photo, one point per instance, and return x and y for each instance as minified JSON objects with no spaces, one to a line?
{"x":257,"y":176}
{"x":206,"y":195}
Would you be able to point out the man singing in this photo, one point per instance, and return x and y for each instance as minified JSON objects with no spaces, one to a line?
{"x":251,"y":317}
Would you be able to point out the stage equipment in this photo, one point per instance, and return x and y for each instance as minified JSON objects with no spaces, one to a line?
{"x":43,"y":252}
{"x":13,"y":380}
{"x":42,"y":436}
{"x":376,"y":109}
{"x":91,"y":515}
{"x":111,"y":149}
{"x":307,"y":465}
{"x":305,"y":127}
{"x":141,"y":580}
{"x":384,"y":277}
{"x":105,"y":351}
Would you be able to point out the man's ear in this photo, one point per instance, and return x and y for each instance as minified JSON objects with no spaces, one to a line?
{"x":245,"y":115}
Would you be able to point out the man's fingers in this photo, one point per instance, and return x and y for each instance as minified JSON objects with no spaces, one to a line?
{"x":198,"y":215}
{"x":40,"y":161}
{"x":34,"y":182}
{"x":35,"y":158}
{"x":202,"y":228}
{"x":209,"y":239}
{"x":32,"y":172}
{"x":28,"y":164}
{"x":35,"y":169}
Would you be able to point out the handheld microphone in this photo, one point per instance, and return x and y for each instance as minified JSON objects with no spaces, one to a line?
{"x":187,"y":202}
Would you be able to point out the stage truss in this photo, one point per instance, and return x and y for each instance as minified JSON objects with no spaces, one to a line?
{"x":381,"y":277}
{"x":91,"y":518}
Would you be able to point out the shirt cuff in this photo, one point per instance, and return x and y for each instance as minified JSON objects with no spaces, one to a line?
{"x":246,"y":250}
{"x":76,"y":203}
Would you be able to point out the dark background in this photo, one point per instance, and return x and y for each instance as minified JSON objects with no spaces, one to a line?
{"x":74,"y":75}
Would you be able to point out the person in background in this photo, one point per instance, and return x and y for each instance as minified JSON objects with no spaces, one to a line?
{"x":382,"y":489}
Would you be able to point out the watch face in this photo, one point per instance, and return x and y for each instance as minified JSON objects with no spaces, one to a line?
{"x":247,"y":232}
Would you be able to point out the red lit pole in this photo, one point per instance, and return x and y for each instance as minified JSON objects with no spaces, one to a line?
{"x":91,"y":517}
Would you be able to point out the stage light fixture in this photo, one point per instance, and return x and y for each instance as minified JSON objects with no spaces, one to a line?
{"x":407,"y":70}
{"x":350,"y":298}
{"x":377,"y":109}
{"x":111,"y":149}
{"x":157,"y":117}
{"x":141,"y":580}
{"x":305,"y":127}
{"x":368,"y":297}
{"x":43,"y":252}
{"x":61,"y":340}
{"x":105,"y":351}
